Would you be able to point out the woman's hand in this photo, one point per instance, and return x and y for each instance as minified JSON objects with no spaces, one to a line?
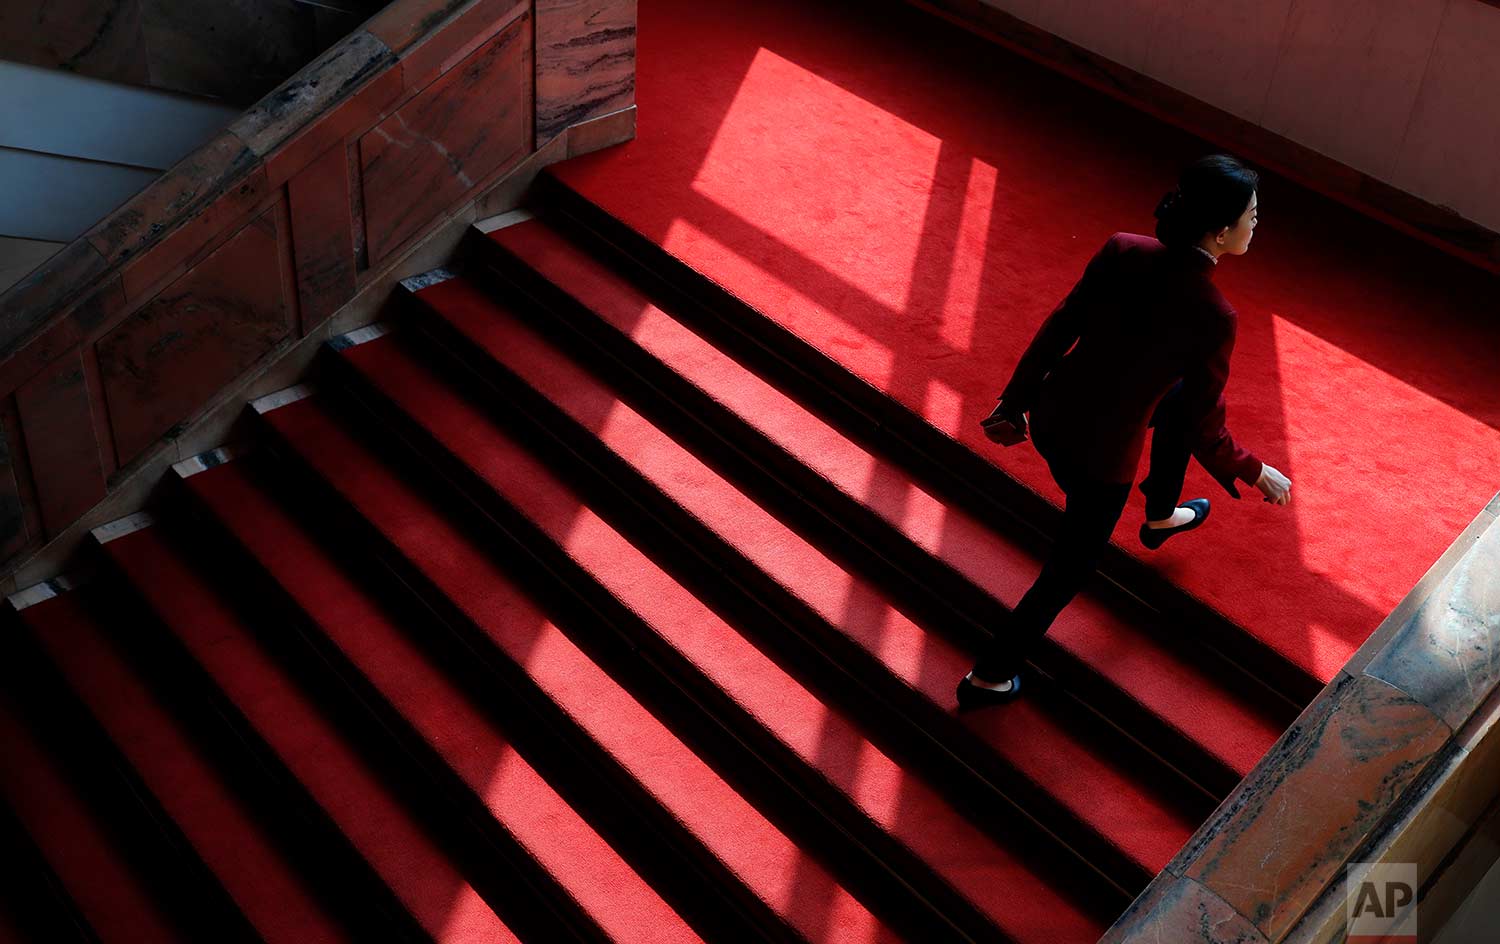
{"x":1005,"y":425}
{"x":1276,"y":487}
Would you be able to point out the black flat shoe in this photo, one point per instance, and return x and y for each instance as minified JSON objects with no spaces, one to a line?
{"x":1156,"y":537}
{"x":973,"y":696}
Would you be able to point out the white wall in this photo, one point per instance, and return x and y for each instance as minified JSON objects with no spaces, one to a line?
{"x":1407,"y":91}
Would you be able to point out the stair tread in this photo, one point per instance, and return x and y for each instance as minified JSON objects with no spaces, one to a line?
{"x":1234,"y":729}
{"x":385,"y":833}
{"x":826,"y":738}
{"x":723,"y":821}
{"x":224,"y":833}
{"x":97,"y":875}
{"x":517,"y":796}
{"x":1109,"y":797}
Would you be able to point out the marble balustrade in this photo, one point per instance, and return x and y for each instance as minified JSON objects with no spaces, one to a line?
{"x":1391,"y":762}
{"x":250,"y":243}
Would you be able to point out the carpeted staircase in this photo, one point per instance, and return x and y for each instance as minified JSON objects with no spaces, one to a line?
{"x":572,"y":603}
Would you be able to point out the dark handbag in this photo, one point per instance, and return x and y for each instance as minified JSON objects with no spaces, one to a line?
{"x":1003,"y":429}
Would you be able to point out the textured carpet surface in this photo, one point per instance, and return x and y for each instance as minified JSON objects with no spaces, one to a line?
{"x":452,"y":723}
{"x":222,"y":829}
{"x":913,"y":201}
{"x":752,"y":848}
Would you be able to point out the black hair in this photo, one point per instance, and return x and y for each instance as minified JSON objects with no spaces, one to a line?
{"x":1212,"y":193}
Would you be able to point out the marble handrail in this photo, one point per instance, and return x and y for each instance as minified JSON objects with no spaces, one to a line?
{"x":1387,"y":735}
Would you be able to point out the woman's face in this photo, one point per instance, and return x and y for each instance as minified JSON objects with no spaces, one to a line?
{"x":1236,"y":239}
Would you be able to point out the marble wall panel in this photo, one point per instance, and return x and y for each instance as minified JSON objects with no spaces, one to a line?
{"x":58,"y":426}
{"x":351,"y":116}
{"x":1449,"y":152}
{"x":1447,"y":656}
{"x":1348,"y":75}
{"x":585,"y":61}
{"x":25,"y":306}
{"x":443,"y":142}
{"x":101,"y":38}
{"x":1283,"y":834}
{"x":1220,"y":53}
{"x":165,"y":360}
{"x":73,"y":325}
{"x":322,"y":236}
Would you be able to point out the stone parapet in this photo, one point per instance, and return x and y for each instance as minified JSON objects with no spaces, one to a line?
{"x":247,"y":245}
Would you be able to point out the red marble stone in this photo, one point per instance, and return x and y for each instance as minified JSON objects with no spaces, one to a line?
{"x":402,"y":23}
{"x":585,"y":61}
{"x":322,"y":236}
{"x":177,"y":196}
{"x":316,"y":89}
{"x":1179,"y":910}
{"x":1277,"y":841}
{"x":444,"y":47}
{"x":164,"y":361}
{"x":1447,"y":655}
{"x":65,"y":329}
{"x":441,"y":144}
{"x":30,"y":304}
{"x":183,"y":246}
{"x":58,"y":427}
{"x":599,"y":133}
{"x":348,"y":117}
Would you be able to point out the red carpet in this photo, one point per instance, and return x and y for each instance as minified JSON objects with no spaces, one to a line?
{"x":75,"y":840}
{"x":364,"y":808}
{"x":222,"y":830}
{"x":733,"y":831}
{"x":913,"y":201}
{"x":521,"y":801}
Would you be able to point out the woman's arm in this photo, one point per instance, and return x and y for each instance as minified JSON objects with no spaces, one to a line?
{"x":1203,"y":405}
{"x":1058,"y":333}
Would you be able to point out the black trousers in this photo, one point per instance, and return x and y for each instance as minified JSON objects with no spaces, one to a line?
{"x":1090,"y":512}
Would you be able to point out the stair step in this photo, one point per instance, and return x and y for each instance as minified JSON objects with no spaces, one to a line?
{"x":351,"y":794}
{"x":1164,"y":690}
{"x":967,"y":478}
{"x":815,"y":733}
{"x":107,"y":888}
{"x":1127,"y":820}
{"x":734,"y":835}
{"x":455,"y":728}
{"x":222,"y":830}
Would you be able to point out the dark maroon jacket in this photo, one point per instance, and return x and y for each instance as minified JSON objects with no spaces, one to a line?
{"x":1143,"y":316}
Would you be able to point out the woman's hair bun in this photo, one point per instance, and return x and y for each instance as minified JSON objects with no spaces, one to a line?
{"x":1211,"y":194}
{"x":1170,"y":200}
